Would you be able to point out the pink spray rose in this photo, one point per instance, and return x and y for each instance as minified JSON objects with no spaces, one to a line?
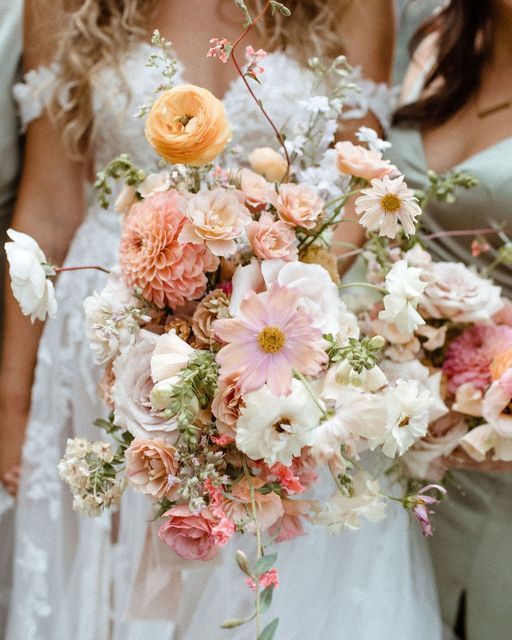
{"x":258,"y":191}
{"x":226,"y":404}
{"x":151,"y":467}
{"x":272,"y":240}
{"x":190,"y":535}
{"x":298,"y":206}
{"x":360,"y":162}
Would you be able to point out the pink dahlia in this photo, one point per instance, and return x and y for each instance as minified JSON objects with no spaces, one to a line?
{"x":470,"y":356}
{"x":270,"y":339}
{"x":168,"y":272}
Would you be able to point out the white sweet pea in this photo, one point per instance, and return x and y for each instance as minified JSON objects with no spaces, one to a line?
{"x":371,"y":138}
{"x":29,"y":273}
{"x":407,"y":416}
{"x":276,"y":428}
{"x":345,"y":511}
{"x":405,"y":288}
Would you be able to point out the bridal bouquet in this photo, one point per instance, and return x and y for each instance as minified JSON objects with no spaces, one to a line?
{"x":233,"y":369}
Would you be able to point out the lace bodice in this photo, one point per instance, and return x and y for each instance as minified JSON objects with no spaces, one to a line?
{"x":285,"y":87}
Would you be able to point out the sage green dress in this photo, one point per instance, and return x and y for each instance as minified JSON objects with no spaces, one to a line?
{"x":472,"y":542}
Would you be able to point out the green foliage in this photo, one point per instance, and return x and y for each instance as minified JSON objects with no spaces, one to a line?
{"x":269,"y":631}
{"x":120,"y":167}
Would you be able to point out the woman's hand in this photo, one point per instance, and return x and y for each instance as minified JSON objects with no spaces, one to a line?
{"x":459,"y":459}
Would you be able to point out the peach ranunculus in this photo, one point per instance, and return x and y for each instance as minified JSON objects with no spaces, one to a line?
{"x":216,"y":218}
{"x":298,"y":206}
{"x":190,"y":535}
{"x":269,"y":506}
{"x":257,"y":191}
{"x":151,"y":467}
{"x":226,"y":404}
{"x":188,"y":125}
{"x":360,"y":162}
{"x":271,"y":240}
{"x":268,"y":163}
{"x":168,"y":272}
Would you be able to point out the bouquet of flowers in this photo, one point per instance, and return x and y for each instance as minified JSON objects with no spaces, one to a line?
{"x":233,"y":369}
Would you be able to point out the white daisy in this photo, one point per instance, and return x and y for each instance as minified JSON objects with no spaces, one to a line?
{"x":385,"y":203}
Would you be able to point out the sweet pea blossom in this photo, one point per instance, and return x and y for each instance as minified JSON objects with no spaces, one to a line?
{"x":253,"y":60}
{"x":419,"y":505}
{"x":219,"y":49}
{"x":29,"y":271}
{"x":404,"y":287}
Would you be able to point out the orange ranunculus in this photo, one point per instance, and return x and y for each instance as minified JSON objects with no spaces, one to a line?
{"x":188,"y":125}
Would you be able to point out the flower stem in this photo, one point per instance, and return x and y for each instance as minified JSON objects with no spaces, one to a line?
{"x":251,"y":92}
{"x":310,"y":391}
{"x":259,"y":551}
{"x":83,"y":268}
{"x":363,"y":284}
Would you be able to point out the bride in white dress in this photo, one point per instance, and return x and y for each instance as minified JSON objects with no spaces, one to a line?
{"x":74,"y":578}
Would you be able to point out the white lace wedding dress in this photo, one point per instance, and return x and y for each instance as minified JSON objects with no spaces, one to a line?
{"x":72,"y":582}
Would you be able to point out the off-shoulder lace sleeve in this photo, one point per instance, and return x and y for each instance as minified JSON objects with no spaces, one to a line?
{"x":35,"y":93}
{"x":377,"y":98}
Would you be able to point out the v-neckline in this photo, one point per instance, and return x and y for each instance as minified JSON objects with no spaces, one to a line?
{"x":463,"y":163}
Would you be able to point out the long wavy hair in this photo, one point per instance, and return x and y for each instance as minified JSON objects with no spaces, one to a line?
{"x":95,"y":33}
{"x":463,"y":32}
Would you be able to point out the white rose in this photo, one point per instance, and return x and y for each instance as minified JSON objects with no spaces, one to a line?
{"x":458,"y":294}
{"x":29,"y":273}
{"x":132,"y":389}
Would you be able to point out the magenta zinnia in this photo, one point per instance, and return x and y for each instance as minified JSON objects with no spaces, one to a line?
{"x":270,"y":339}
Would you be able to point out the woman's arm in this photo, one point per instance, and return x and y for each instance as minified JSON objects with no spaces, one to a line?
{"x":50,"y":206}
{"x":368,"y":35}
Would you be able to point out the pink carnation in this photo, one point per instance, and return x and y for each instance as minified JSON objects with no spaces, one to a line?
{"x":168,"y":272}
{"x":190,"y":535}
{"x":470,"y":356}
{"x":271,"y":240}
{"x":271,"y":338}
{"x":268,"y":579}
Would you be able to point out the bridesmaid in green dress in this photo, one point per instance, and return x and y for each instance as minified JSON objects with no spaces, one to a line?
{"x":456,"y":113}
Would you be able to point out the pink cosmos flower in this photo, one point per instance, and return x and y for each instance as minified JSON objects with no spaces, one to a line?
{"x":271,"y":240}
{"x":253,"y":60}
{"x":419,"y":505}
{"x":190,"y":535}
{"x":152,"y":258}
{"x":268,"y":579}
{"x":270,"y":339}
{"x":470,"y":356}
{"x":298,"y":206}
{"x":220,"y":49}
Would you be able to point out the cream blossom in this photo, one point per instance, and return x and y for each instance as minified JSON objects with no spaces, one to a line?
{"x":478,"y":442}
{"x":468,"y":400}
{"x":154,"y":183}
{"x":405,"y":287}
{"x":407,"y":410}
{"x":276,"y":428}
{"x":268,"y":163}
{"x":170,"y":356}
{"x":456,"y":293}
{"x":298,"y":206}
{"x":344,"y":511}
{"x":496,"y":408}
{"x":216,"y":218}
{"x":126,"y":199}
{"x":386,"y":203}
{"x":29,"y":271}
{"x":257,"y":191}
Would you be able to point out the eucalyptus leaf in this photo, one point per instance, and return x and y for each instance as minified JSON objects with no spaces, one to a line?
{"x":269,"y":631}
{"x":266,"y":599}
{"x":264,"y":564}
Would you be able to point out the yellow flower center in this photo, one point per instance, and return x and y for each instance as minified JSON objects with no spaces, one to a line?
{"x":390,"y":203}
{"x":271,"y":339}
{"x":281,"y":424}
{"x":183,"y":120}
{"x":404,"y":420}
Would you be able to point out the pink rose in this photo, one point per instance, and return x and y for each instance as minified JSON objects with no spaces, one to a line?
{"x":298,"y":206}
{"x":269,"y":507}
{"x":271,"y":240}
{"x":216,"y":218}
{"x":258,"y":192}
{"x":226,"y":404}
{"x":191,"y":536}
{"x":151,"y":467}
{"x":361,"y":162}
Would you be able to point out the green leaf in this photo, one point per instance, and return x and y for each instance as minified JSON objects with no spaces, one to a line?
{"x":264,"y":564}
{"x":266,"y":599}
{"x":269,"y":631}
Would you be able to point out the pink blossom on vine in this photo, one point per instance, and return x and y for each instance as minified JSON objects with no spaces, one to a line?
{"x":253,"y":60}
{"x":220,"y":49}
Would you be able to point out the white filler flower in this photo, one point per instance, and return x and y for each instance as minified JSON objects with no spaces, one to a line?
{"x":276,"y":428}
{"x":404,"y":288}
{"x":29,"y":273}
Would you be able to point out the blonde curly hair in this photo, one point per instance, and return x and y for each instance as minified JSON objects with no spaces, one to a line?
{"x":96,"y":33}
